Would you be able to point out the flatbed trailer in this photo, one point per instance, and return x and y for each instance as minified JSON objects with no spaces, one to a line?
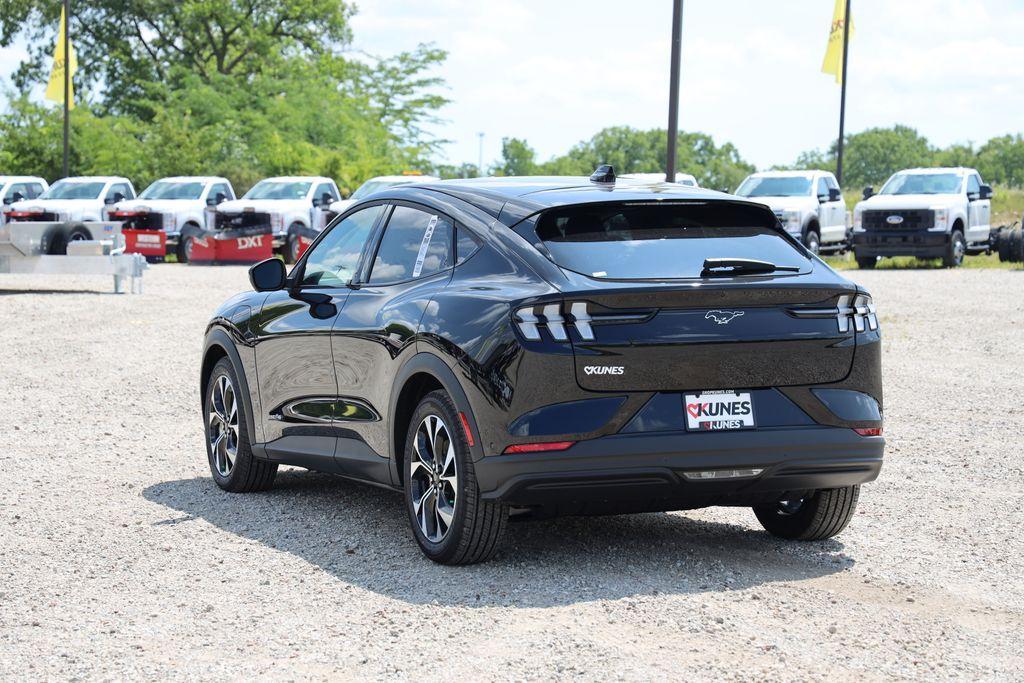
{"x":95,"y":248}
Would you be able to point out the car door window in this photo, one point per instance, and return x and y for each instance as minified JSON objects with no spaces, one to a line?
{"x":220,"y":188}
{"x":822,"y":187}
{"x":973,"y":185}
{"x":415,"y":244}
{"x":334,"y":260}
{"x":34,"y":190}
{"x":119,"y":188}
{"x":325,"y":188}
{"x":17,"y":189}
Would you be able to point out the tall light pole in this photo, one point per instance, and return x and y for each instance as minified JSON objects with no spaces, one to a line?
{"x":842,"y":97}
{"x":673,"y":90}
{"x":480,"y":159}
{"x":67,"y":82}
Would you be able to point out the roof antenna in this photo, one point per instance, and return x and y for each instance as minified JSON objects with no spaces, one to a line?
{"x":604,"y":174}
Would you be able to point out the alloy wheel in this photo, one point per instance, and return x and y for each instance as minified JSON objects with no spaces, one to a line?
{"x":223,"y":425}
{"x":434,"y":478}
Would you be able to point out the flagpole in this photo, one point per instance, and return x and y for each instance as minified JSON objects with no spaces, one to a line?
{"x":673,"y":91}
{"x":67,"y":81}
{"x":842,"y":96}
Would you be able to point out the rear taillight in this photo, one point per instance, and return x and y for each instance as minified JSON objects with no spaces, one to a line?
{"x":559,"y":319}
{"x":538,"y":447}
{"x":859,"y":309}
{"x":870,"y":431}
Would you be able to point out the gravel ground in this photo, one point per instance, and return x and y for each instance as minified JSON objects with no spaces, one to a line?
{"x":119,"y":557}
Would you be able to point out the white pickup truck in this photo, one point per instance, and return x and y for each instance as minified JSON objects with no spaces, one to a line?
{"x":16,"y":188}
{"x":809,"y":205}
{"x":81,"y":198}
{"x":289,"y":205}
{"x":177,"y":206}
{"x":924,"y":212}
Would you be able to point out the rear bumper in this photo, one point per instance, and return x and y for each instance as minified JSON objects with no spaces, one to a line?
{"x":639,"y":472}
{"x":919,"y":243}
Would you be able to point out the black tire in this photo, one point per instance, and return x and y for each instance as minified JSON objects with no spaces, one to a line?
{"x":812,"y":240}
{"x":818,"y":516}
{"x":955,"y":250}
{"x":78,"y":233}
{"x":246,"y":473}
{"x":866,"y":262}
{"x":185,"y":242}
{"x":291,"y":248}
{"x":476,"y":525}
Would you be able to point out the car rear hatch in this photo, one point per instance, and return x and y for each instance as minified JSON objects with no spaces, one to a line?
{"x":661,"y":310}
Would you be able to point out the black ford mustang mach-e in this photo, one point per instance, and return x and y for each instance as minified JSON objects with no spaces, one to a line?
{"x":554,"y":346}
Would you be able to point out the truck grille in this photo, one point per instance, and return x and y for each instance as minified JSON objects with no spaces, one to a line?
{"x":912,"y":219}
{"x":245,"y":219}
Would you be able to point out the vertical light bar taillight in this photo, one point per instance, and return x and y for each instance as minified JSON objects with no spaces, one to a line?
{"x":555,"y":322}
{"x":527,"y":323}
{"x":581,"y":319}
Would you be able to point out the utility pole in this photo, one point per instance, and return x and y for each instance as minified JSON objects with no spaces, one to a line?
{"x":673,"y":90}
{"x":480,"y":159}
{"x":842,"y":97}
{"x":67,"y":82}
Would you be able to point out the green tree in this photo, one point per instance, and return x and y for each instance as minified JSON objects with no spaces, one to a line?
{"x":871,"y":156}
{"x":517,"y":158}
{"x":1001,"y":160}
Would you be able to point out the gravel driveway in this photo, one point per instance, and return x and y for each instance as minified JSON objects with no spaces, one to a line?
{"x":119,"y":557}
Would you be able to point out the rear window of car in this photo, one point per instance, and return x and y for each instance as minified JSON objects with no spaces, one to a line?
{"x":662,"y":241}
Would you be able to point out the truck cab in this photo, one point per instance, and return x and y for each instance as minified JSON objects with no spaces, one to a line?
{"x":16,"y":188}
{"x":81,"y":198}
{"x":289,"y":205}
{"x":176,"y":205}
{"x":926,"y":213}
{"x":808,"y":204}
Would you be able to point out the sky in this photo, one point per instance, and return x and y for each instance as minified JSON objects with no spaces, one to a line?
{"x":555,"y":72}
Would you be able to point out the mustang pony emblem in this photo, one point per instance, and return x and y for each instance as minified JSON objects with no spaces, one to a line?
{"x":722,"y":317}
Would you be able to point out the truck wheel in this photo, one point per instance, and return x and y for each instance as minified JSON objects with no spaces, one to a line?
{"x":812,"y":240}
{"x":79,"y":233}
{"x":866,"y":262}
{"x":450,"y":521}
{"x":955,"y":250}
{"x":184,"y":251}
{"x":232,"y":463}
{"x":818,"y":516}
{"x":291,"y":248}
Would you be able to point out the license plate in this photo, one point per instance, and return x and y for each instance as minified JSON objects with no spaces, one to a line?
{"x":715,"y":411}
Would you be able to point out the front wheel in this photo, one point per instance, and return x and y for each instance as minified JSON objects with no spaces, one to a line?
{"x":814,"y":517}
{"x":812,"y":240}
{"x":451,"y":522}
{"x":866,"y":262}
{"x":955,"y":250}
{"x":232,"y":463}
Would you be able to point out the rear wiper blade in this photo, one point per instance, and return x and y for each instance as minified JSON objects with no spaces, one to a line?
{"x":741,"y":266}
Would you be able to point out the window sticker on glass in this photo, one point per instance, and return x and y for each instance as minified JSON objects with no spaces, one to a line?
{"x":424,"y":245}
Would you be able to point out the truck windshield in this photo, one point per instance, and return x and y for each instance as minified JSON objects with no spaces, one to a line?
{"x":276,"y":189}
{"x":775,"y":186}
{"x":371,"y":186}
{"x":166,"y":189}
{"x":663,"y":241}
{"x":69,"y":189}
{"x":923,"y":183}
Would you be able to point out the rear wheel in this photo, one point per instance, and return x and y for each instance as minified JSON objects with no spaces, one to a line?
{"x":815,"y":517}
{"x":955,"y":250}
{"x":232,"y":463}
{"x":450,"y":521}
{"x":291,"y":248}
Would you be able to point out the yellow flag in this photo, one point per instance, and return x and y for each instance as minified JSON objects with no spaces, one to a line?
{"x":55,"y":88}
{"x":833,"y":63}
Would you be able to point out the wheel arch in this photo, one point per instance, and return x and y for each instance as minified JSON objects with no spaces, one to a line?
{"x":218,"y":345}
{"x":421,"y":374}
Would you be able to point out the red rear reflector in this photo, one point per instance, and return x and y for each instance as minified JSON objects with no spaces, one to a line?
{"x":465,"y":428}
{"x":873,"y":431}
{"x":538,"y":447}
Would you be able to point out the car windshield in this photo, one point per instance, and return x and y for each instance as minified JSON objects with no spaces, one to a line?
{"x":277,"y":189}
{"x":923,"y":183}
{"x":663,"y":241}
{"x":70,"y":189}
{"x":775,"y":186}
{"x":169,"y":189}
{"x":371,"y":186}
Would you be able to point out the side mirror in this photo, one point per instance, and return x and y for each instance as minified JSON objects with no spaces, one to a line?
{"x":13,"y":198}
{"x":326,"y":199}
{"x":110,"y":200}
{"x":986,"y":192}
{"x":268,"y":276}
{"x":869,"y":192}
{"x":834,"y":194}
{"x":211,"y":201}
